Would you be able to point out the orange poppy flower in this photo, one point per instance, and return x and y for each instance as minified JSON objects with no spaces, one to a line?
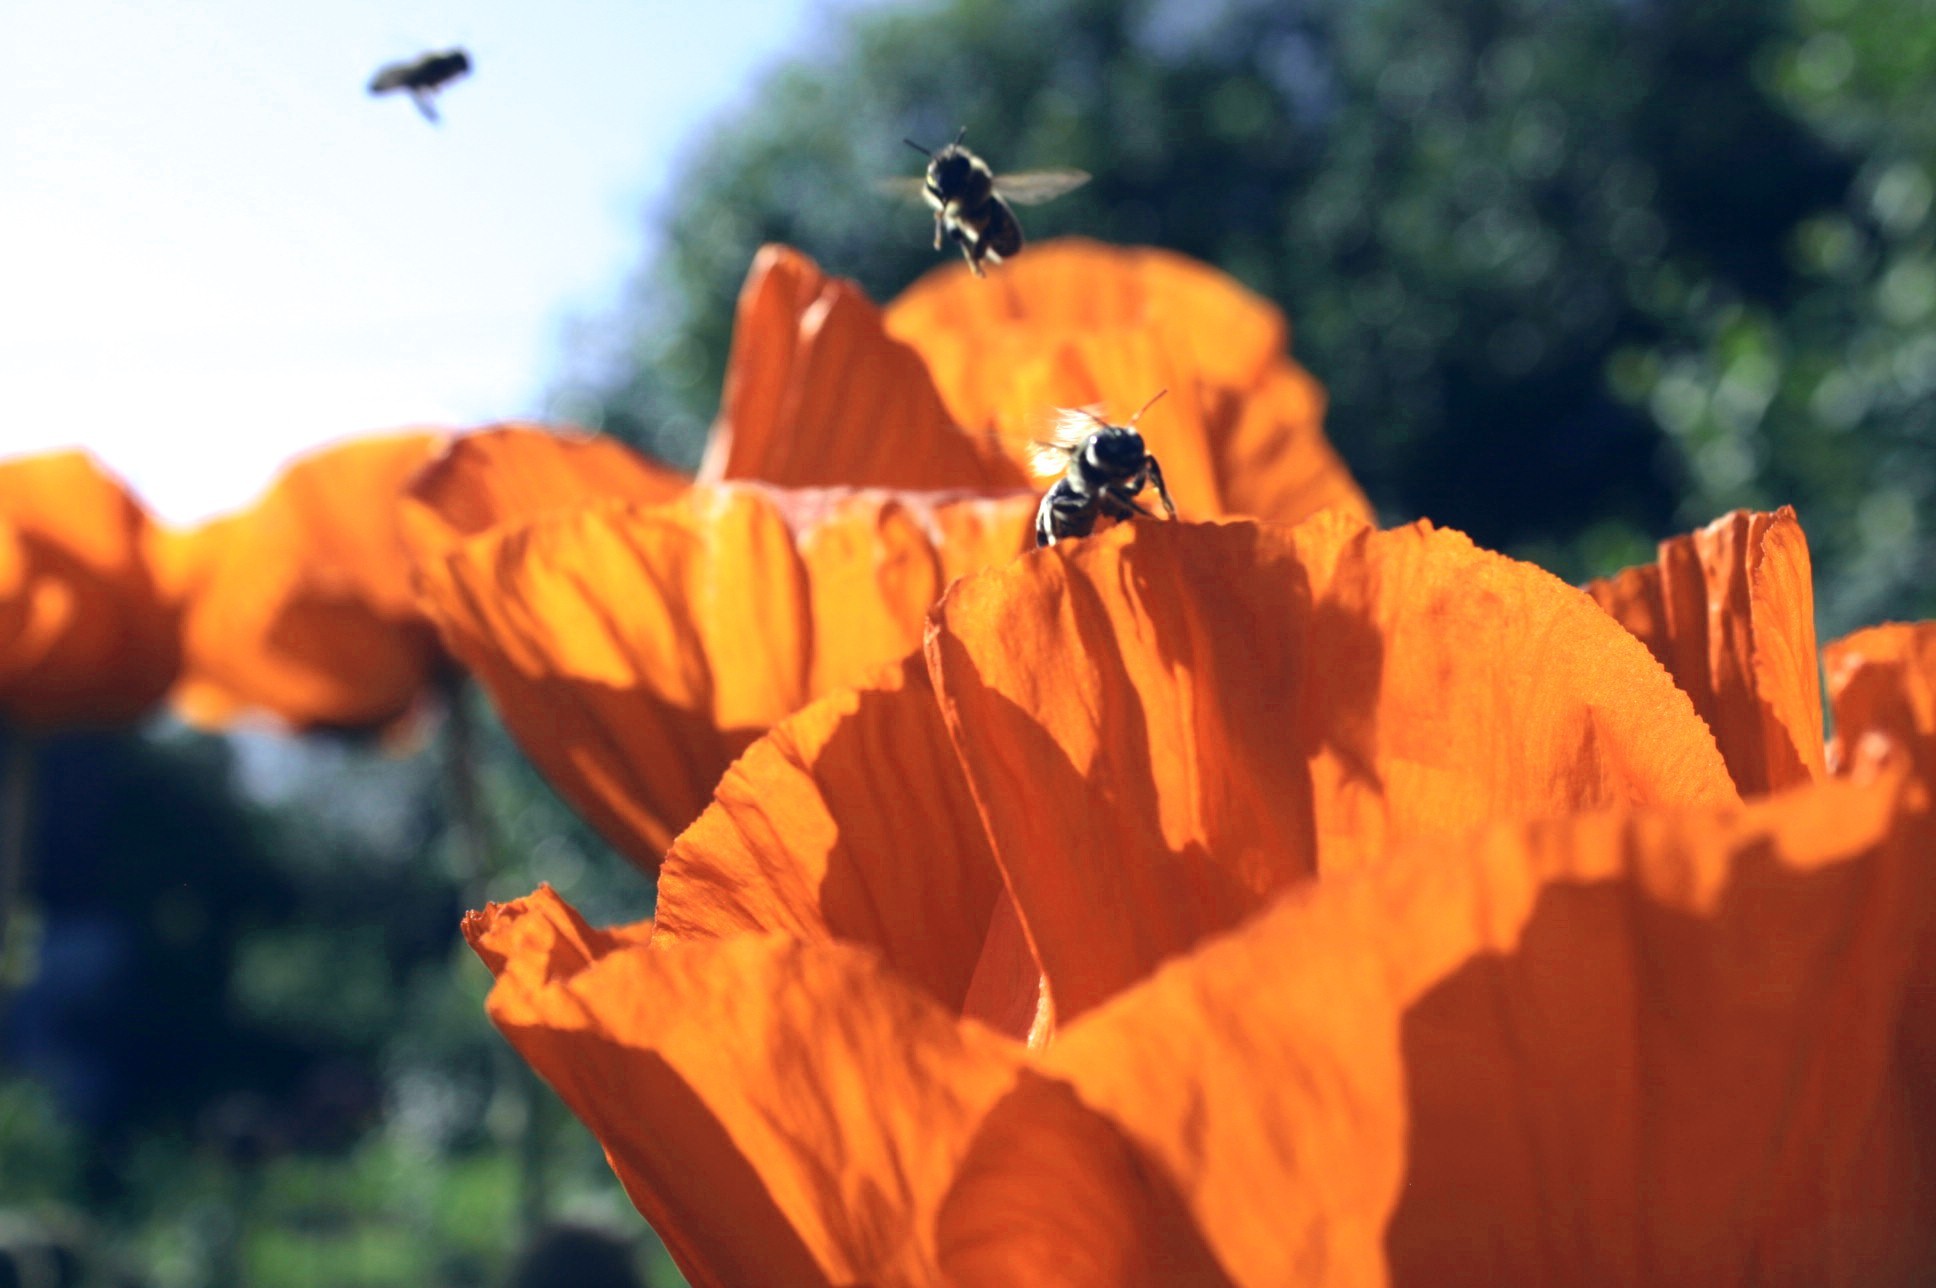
{"x":86,"y":638}
{"x":951,"y":387}
{"x":300,"y":607}
{"x":635,"y":650}
{"x":1399,"y":917}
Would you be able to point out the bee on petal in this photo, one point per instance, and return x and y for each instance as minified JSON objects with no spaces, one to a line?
{"x":1104,"y":468}
{"x":971,"y":203}
{"x":422,"y":77}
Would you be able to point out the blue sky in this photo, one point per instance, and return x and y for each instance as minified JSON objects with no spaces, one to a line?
{"x":216,"y":250}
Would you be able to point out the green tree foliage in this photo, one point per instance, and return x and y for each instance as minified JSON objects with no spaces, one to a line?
{"x":1577,"y":273}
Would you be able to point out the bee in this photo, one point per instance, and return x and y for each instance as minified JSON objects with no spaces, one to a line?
{"x":1104,"y":467}
{"x":422,"y":76}
{"x":971,"y":202}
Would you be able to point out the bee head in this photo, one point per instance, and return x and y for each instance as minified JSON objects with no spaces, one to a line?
{"x":1115,"y":450}
{"x":951,"y":167}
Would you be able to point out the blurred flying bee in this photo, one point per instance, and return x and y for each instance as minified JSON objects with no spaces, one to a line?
{"x":971,"y":202}
{"x":422,"y":77}
{"x":1104,"y":467}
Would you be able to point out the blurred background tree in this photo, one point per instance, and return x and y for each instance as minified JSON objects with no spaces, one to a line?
{"x":1577,"y":273}
{"x":252,"y":1047}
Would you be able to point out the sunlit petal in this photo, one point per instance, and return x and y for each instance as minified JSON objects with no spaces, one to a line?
{"x":1167,"y":724}
{"x":1074,"y":322}
{"x":1730,"y":612}
{"x":511,"y":472}
{"x":781,"y":1112}
{"x":817,"y":395}
{"x":636,"y":650}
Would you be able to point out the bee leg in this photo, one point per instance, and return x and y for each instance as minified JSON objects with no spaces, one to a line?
{"x":1155,"y":472}
{"x":937,"y":229}
{"x":970,"y":253}
{"x":1120,"y":505}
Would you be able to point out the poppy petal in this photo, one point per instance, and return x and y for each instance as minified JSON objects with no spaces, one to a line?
{"x":851,"y":821}
{"x":1075,"y":322}
{"x":1730,"y":612}
{"x":301,"y":607}
{"x":1665,"y":1046}
{"x":817,"y":394}
{"x":1270,"y":454}
{"x":1882,"y":686}
{"x":781,"y":1112}
{"x":508,"y":472}
{"x":87,"y":636}
{"x":1165,"y":725}
{"x":635,"y":651}
{"x":1068,"y":286}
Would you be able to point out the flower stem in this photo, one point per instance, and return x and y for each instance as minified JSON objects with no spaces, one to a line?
{"x":479,"y":851}
{"x":16,"y":808}
{"x":476,"y":842}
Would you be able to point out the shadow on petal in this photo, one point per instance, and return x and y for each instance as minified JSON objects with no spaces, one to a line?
{"x":1052,"y":1193}
{"x":851,"y":822}
{"x":1167,"y":724}
{"x":1676,"y":1046}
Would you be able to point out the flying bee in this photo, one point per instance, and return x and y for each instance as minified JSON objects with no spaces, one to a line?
{"x":422,"y":77}
{"x":971,"y":202}
{"x":1104,"y":467}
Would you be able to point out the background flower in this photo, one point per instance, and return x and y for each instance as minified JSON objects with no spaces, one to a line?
{"x":299,"y":608}
{"x":86,"y":635}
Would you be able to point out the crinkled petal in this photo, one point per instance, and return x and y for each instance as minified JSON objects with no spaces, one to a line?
{"x":1165,"y":725}
{"x":636,"y":650}
{"x":1643,"y":1047}
{"x":851,"y":821}
{"x":781,"y":1112}
{"x":1730,"y":612}
{"x":1882,"y":688}
{"x":817,"y":394}
{"x":87,"y":635}
{"x":512,"y":472}
{"x":300,"y":608}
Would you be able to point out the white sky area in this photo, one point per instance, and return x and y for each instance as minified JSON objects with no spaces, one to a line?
{"x":216,"y":250}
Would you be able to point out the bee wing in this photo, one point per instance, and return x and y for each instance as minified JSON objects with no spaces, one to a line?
{"x":1033,"y":187}
{"x":390,"y":76}
{"x":902,"y":189}
{"x":1070,"y":425}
